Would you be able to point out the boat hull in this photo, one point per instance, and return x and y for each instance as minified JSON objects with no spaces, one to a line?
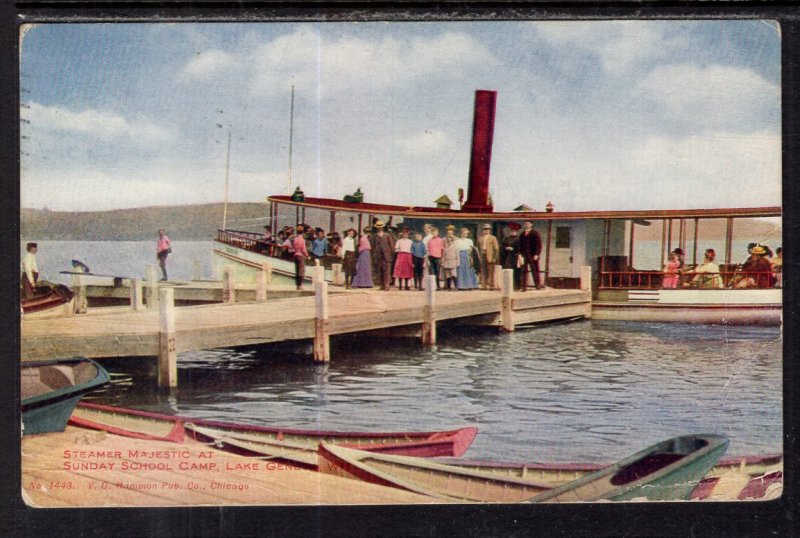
{"x":51,"y":390}
{"x":248,"y":263}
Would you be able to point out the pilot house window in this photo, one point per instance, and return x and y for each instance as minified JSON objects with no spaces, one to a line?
{"x":562,"y":236}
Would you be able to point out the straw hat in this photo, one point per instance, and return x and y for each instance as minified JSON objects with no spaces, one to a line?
{"x":487,"y":226}
{"x":758,"y":250}
{"x":450,"y":227}
{"x":379,"y":224}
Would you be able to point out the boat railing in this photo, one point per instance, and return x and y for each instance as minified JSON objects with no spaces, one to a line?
{"x":251,"y":241}
{"x":734,"y":279}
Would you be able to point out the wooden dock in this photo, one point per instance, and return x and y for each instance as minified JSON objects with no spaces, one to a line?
{"x":168,"y":330}
{"x":86,"y":468}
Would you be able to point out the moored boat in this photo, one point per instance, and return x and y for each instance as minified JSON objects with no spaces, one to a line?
{"x":48,"y":300}
{"x":50,"y":390}
{"x":667,"y":471}
{"x":144,"y":424}
{"x":624,"y":287}
{"x":437,"y":480}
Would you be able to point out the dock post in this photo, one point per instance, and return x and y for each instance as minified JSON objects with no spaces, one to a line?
{"x":228,"y":284}
{"x":586,"y":277}
{"x":261,"y":286}
{"x":506,"y":289}
{"x":498,"y":276}
{"x":322,"y":349}
{"x":79,"y":285}
{"x":317,"y":274}
{"x":338,"y":276}
{"x":152,"y":286}
{"x":267,"y":268}
{"x":167,"y":354}
{"x":429,"y":320}
{"x":136,"y":295}
{"x":198,"y":270}
{"x":586,"y":285}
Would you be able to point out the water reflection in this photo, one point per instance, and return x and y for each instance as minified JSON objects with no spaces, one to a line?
{"x":585,"y":391}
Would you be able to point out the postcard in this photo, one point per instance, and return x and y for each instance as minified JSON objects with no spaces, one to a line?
{"x":400,"y":263}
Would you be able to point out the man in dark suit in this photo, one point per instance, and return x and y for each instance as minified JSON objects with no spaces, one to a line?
{"x":530,"y":247}
{"x":382,"y":255}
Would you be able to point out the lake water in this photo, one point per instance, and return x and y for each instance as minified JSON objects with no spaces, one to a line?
{"x":581,"y":391}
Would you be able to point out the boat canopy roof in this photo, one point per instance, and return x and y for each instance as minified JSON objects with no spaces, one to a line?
{"x":455,"y":214}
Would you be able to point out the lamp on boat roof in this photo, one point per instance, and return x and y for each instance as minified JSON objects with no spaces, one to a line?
{"x":443,"y":202}
{"x":355,"y":198}
{"x":524,"y":208}
{"x":298,"y":195}
{"x":549,"y":207}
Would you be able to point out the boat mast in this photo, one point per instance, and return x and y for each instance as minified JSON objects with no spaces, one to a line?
{"x":227,"y":173}
{"x":291,"y":132}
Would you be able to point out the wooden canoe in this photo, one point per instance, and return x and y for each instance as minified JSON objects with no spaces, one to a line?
{"x":437,"y":480}
{"x":50,"y":390}
{"x":667,"y":471}
{"x":732,"y":478}
{"x":148,"y":425}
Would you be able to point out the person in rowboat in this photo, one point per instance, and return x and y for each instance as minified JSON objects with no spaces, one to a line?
{"x":30,"y":271}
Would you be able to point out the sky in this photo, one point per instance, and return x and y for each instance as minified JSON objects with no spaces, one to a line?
{"x":591,"y":115}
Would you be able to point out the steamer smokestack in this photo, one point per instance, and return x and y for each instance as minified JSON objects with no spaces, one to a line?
{"x":482,"y":135}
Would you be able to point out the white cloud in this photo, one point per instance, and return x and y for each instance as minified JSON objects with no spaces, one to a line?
{"x":618,"y":44}
{"x":208,"y":64}
{"x":350,"y":63}
{"x":101,"y":124}
{"x":716,"y":94}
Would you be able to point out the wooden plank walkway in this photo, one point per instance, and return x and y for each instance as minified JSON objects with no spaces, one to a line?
{"x":119,"y":332}
{"x":85,"y":468}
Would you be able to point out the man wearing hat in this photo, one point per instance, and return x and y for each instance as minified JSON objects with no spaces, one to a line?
{"x":530,"y":246}
{"x":509,"y":252}
{"x":756,"y":272}
{"x":382,"y":255}
{"x":30,"y":271}
{"x":489,"y":250}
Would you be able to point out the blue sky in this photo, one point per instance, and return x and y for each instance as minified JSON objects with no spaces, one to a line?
{"x":593,"y":115}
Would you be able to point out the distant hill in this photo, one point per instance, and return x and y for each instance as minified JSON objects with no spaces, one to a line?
{"x":187,"y":222}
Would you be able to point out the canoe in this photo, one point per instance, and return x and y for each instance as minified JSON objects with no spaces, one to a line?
{"x":667,"y":471}
{"x":148,"y":425}
{"x":437,"y":480}
{"x":732,"y":478}
{"x":51,"y":389}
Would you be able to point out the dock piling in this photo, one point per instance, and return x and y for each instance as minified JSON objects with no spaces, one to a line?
{"x":498,"y":276}
{"x":79,"y":285}
{"x":152,"y":286}
{"x":322,"y":351}
{"x":167,"y":353}
{"x":229,"y":284}
{"x":198,"y":270}
{"x":261,"y":286}
{"x":317,"y":274}
{"x":506,"y":289}
{"x":429,"y":324}
{"x":137,"y":303}
{"x":338,"y":276}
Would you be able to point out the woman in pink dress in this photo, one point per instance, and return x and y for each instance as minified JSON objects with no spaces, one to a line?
{"x":363,"y":277}
{"x":672,"y":272}
{"x":404,"y":264}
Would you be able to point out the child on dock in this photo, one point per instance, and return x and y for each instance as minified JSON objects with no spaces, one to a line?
{"x":418,"y":252}
{"x":349,"y":256}
{"x":450,"y":262}
{"x":404,"y":266}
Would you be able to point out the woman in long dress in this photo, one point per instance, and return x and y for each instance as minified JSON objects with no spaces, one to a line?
{"x":363,"y":277}
{"x":403,"y":266}
{"x":466,"y":278}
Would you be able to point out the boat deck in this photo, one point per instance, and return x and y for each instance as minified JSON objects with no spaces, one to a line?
{"x":85,"y":468}
{"x":121,"y":332}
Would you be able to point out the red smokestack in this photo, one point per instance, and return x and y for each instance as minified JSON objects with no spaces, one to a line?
{"x":482,"y":135}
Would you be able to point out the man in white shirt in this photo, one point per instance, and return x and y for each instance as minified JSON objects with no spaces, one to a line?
{"x":30,"y":271}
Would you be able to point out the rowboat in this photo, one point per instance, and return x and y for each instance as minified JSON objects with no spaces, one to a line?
{"x":733,"y":477}
{"x":437,"y":480}
{"x":667,"y":471}
{"x":50,"y":390}
{"x":48,"y":300}
{"x":148,"y":425}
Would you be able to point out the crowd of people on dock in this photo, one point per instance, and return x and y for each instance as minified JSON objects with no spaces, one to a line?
{"x":761,"y":269}
{"x":386,"y":256}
